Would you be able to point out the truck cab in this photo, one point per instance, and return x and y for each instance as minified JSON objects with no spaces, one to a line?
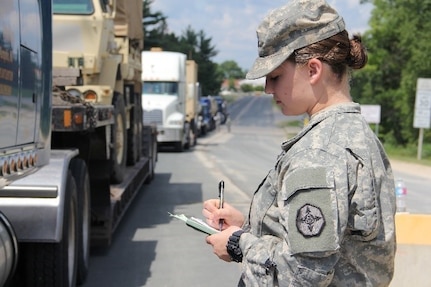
{"x":25,"y":118}
{"x":164,"y":97}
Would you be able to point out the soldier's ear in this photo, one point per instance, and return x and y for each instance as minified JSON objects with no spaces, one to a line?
{"x":315,"y":68}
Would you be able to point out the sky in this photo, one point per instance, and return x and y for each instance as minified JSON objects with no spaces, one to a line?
{"x":231,"y":24}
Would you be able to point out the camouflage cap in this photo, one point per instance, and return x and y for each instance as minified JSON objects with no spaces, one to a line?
{"x":291,"y":27}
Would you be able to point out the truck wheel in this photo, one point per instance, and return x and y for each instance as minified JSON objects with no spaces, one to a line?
{"x":80,"y":174}
{"x":203,"y":130}
{"x":149,"y":150}
{"x":8,"y":249}
{"x":134,"y":135}
{"x":132,"y":139}
{"x":150,"y":176}
{"x":140,"y":124}
{"x":54,"y":264}
{"x":179,"y":146}
{"x":188,"y":139}
{"x":119,"y":140}
{"x":194,"y":129}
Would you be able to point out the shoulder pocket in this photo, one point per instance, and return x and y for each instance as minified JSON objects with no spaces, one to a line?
{"x":311,"y":211}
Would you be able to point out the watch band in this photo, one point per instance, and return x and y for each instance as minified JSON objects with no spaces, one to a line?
{"x":232,"y":246}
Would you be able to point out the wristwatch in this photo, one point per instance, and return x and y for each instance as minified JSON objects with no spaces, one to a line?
{"x":232,"y":246}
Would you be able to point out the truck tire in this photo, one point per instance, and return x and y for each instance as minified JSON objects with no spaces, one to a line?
{"x":54,"y":264}
{"x":140,"y":130}
{"x":134,"y":134}
{"x":8,"y":249}
{"x":152,"y":162}
{"x":150,"y":176}
{"x":149,"y":150}
{"x":203,"y":130}
{"x":187,"y":144}
{"x":179,"y":146}
{"x":188,"y":139}
{"x":82,"y":179}
{"x":118,"y":140}
{"x":194,"y":129}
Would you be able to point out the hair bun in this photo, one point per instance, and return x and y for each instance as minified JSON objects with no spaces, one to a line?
{"x":358,"y":55}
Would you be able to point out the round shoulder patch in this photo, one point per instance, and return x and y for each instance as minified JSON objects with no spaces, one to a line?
{"x":310,"y":220}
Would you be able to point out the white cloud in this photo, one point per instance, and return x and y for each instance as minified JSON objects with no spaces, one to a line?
{"x":232,"y":23}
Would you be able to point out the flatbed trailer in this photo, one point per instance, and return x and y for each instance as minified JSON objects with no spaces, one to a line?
{"x":121,"y":196}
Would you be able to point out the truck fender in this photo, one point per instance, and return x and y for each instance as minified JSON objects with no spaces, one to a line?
{"x":35,"y":204}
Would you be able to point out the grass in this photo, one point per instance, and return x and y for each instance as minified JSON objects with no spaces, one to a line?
{"x":409,"y":153}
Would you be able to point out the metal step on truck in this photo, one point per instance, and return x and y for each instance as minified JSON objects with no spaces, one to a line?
{"x":74,"y":151}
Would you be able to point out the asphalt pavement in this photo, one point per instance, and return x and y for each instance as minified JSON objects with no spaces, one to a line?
{"x":411,"y":168}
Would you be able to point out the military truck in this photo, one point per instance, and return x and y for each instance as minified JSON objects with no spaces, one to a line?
{"x":192,"y":100}
{"x":102,"y":63}
{"x":73,"y":148}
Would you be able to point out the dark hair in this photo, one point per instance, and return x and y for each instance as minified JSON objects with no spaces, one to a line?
{"x":338,"y":51}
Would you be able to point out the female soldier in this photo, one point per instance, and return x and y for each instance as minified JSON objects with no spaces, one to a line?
{"x":324,"y":215}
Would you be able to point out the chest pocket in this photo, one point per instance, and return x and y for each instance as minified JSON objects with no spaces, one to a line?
{"x":308,"y":205}
{"x":364,"y":217}
{"x":263,"y":200}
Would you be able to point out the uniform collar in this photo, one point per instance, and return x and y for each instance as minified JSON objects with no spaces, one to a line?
{"x":342,"y":108}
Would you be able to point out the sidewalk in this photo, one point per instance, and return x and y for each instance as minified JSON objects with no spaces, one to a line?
{"x":411,"y":168}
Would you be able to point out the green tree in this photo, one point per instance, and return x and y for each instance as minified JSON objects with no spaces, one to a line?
{"x":398,"y":48}
{"x":231,"y":70}
{"x":155,"y":27}
{"x":198,"y":47}
{"x":246,"y":88}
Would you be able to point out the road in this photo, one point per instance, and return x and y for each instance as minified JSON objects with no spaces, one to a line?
{"x":152,"y":249}
{"x":418,"y":182}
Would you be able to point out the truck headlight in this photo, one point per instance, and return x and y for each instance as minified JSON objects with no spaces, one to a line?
{"x":90,"y":96}
{"x":75,"y":93}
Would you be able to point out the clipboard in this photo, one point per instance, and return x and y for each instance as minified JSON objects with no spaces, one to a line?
{"x":196,"y":223}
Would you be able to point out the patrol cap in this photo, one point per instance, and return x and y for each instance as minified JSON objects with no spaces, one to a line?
{"x":288,"y":28}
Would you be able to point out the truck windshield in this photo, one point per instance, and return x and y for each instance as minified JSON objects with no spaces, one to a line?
{"x":160,"y":88}
{"x":80,"y":7}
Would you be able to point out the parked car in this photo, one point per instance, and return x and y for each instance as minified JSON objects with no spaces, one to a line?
{"x":221,"y":108}
{"x":205,"y":117}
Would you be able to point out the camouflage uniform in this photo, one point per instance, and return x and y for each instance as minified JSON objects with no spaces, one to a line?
{"x":324,"y":216}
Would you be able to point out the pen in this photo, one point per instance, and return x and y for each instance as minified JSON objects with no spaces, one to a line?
{"x":221,"y":197}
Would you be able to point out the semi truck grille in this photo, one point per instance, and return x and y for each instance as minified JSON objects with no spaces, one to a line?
{"x":153,"y":117}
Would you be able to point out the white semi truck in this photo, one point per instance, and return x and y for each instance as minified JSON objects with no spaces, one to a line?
{"x":73,"y":148}
{"x":165,"y":97}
